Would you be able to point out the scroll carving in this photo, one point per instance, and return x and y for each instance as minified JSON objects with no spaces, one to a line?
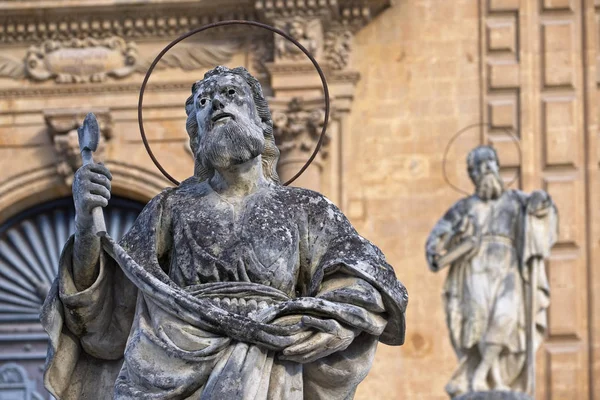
{"x":93,"y":60}
{"x":81,"y":60}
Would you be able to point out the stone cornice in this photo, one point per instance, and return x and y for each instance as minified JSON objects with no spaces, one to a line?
{"x":163,"y":18}
{"x":152,"y":20}
{"x":351,"y":14}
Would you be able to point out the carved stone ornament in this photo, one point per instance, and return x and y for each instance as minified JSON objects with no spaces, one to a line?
{"x":307,"y":31}
{"x":81,"y":60}
{"x":337,"y":48}
{"x":93,"y":60}
{"x":298,"y":128}
{"x":62,"y":128}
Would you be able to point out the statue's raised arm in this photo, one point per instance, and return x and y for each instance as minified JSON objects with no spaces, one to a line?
{"x":229,"y":286}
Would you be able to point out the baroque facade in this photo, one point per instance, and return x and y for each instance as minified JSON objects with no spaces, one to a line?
{"x":404,"y":77}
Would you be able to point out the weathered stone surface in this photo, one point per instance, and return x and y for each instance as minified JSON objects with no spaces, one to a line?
{"x":227,"y":286}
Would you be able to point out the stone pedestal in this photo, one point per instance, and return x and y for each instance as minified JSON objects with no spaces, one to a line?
{"x":494,"y":395}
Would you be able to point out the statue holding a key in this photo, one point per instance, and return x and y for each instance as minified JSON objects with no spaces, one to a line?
{"x":228,"y":286}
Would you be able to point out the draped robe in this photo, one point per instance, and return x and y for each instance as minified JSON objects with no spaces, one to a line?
{"x":176,"y":304}
{"x":485,"y":293}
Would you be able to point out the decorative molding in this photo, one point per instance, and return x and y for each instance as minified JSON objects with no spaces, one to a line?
{"x":21,"y":26}
{"x":297,"y":128}
{"x":92,"y":60}
{"x":62,"y":129}
{"x":63,"y":90}
{"x":352,"y":14}
{"x":189,"y":57}
{"x":11,"y":67}
{"x":308,"y":32}
{"x":28,"y":188}
{"x":81,"y":60}
{"x":337,"y":48}
{"x":269,"y":9}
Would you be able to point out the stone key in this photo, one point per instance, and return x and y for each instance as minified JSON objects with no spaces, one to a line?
{"x":89,"y":136}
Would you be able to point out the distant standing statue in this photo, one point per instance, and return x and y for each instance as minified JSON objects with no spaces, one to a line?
{"x":495,"y":242}
{"x":229,"y":286}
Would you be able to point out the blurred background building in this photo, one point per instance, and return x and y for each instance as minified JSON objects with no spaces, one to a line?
{"x":404,"y":76}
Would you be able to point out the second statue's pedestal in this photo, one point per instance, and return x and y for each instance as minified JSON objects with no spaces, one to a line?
{"x":494,"y":395}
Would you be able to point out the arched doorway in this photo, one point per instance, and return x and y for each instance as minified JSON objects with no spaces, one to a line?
{"x":30,"y":245}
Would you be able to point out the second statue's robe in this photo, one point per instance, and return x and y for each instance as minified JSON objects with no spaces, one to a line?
{"x":485,"y":293}
{"x":167,"y":316}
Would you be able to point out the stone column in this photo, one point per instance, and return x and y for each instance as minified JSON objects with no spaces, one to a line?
{"x":326,"y":29}
{"x":297,"y":131}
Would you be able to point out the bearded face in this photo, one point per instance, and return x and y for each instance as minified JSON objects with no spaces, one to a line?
{"x":484,"y":172}
{"x":489,"y":186}
{"x":229,"y":129}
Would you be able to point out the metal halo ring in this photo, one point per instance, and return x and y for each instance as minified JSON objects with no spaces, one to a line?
{"x":463,"y":130}
{"x":226,"y":23}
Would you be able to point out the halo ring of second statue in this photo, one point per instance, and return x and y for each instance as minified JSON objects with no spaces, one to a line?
{"x":226,"y":23}
{"x":465,"y":129}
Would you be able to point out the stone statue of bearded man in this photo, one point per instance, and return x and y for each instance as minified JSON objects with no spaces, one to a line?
{"x":495,"y":242}
{"x":229,"y":286}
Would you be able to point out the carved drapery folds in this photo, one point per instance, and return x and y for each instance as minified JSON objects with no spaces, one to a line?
{"x":62,"y":128}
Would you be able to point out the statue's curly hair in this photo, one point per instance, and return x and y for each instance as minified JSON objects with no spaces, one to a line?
{"x":270,"y":155}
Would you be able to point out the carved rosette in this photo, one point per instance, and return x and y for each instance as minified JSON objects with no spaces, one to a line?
{"x":62,"y":128}
{"x":81,"y":60}
{"x":297,"y":130}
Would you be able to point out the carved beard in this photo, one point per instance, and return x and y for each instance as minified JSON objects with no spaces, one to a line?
{"x":489,"y":186}
{"x":231,"y":144}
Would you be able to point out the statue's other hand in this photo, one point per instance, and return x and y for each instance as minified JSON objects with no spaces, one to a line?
{"x":538,"y":203}
{"x":91,"y":189}
{"x":432,"y":259}
{"x":330,"y":337}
